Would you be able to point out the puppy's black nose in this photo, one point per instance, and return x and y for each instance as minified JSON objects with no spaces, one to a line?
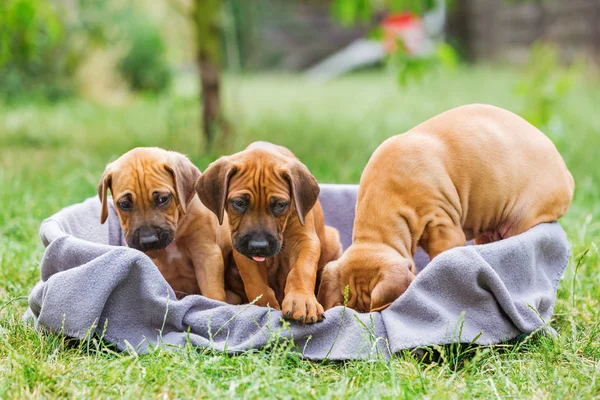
{"x":258,"y":246}
{"x":148,"y":237}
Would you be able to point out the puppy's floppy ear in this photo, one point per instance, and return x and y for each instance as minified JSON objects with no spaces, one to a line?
{"x":330,"y":293}
{"x":305,"y":189}
{"x":391,"y":285}
{"x":185,"y":174}
{"x":213,"y":184}
{"x":103,"y":186}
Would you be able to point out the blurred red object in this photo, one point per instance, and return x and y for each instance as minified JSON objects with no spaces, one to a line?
{"x":404,"y":27}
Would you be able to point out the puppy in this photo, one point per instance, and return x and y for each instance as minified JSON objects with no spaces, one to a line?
{"x":474,"y":172}
{"x":279,"y":238}
{"x":161,"y":215}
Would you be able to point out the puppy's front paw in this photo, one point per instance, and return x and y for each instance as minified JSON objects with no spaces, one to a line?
{"x":302,"y":307}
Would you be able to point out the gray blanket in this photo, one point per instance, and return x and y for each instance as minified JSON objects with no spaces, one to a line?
{"x":91,"y":284}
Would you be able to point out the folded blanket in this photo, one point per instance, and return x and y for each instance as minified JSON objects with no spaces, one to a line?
{"x":484,"y":294}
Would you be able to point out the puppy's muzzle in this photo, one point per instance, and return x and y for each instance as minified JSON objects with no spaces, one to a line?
{"x":257,"y":245}
{"x":149,"y":238}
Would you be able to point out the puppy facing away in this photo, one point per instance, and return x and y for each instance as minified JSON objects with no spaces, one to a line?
{"x":473,"y":172}
{"x":278,"y":234}
{"x":161,"y":215}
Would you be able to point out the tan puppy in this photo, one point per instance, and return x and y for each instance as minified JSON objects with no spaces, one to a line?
{"x":474,"y":172}
{"x":154,"y":195}
{"x":280,"y":240}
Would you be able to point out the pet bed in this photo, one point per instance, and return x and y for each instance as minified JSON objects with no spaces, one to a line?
{"x":92,"y":284}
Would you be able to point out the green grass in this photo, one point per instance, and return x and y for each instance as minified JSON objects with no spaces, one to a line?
{"x":53,"y":156}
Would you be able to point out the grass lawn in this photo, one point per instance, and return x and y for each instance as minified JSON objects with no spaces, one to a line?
{"x":53,"y":156}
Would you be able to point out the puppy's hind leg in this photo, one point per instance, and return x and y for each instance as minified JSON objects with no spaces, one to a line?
{"x":441,"y":237}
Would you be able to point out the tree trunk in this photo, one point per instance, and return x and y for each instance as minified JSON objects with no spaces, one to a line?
{"x":206,"y":18}
{"x":459,"y":27}
{"x":212,"y":120}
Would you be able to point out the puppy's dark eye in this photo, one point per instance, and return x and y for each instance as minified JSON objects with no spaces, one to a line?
{"x":163,"y":199}
{"x":240,"y":205}
{"x":279,"y":207}
{"x":125,"y":205}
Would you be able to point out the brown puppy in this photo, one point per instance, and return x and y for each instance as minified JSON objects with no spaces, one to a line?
{"x":280,"y":240}
{"x":474,"y":172}
{"x":154,"y":195}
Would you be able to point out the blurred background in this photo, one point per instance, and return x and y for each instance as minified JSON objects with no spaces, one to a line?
{"x":206,"y":52}
{"x":202,"y":56}
{"x":83,"y":81}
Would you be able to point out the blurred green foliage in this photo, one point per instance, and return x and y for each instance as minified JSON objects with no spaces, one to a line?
{"x":415,"y":68}
{"x":43,"y":43}
{"x":545,"y":85}
{"x":349,"y":12}
{"x":144,"y":65}
{"x":34,"y":57}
